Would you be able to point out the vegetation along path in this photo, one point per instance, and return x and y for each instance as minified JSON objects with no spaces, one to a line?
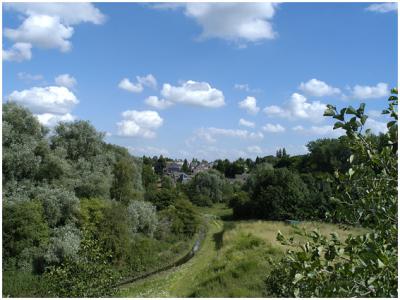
{"x":176,"y":282}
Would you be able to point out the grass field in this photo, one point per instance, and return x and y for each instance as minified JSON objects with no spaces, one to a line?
{"x":232,"y":261}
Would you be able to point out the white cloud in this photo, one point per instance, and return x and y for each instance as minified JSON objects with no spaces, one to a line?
{"x":273,"y":128}
{"x":376,"y":126}
{"x":47,"y":25}
{"x":50,"y":104}
{"x":42,"y":31}
{"x":237,"y":22}
{"x":139,"y":123}
{"x":158,"y":103}
{"x":69,"y":13}
{"x":51,"y":99}
{"x":29,"y":77}
{"x":193,"y":93}
{"x":315,"y":87}
{"x":210,"y":134}
{"x":148,"y":80}
{"x":18,"y":52}
{"x":298,"y":108}
{"x":254,"y":149}
{"x":65,"y":80}
{"x":250,"y":105}
{"x":51,"y":120}
{"x":127,"y":85}
{"x":361,"y":92}
{"x":246,"y":123}
{"x":324,"y":130}
{"x":383,"y":7}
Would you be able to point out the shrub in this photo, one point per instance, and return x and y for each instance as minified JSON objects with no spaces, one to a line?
{"x":89,"y":276}
{"x":142,"y":217}
{"x":361,"y":266}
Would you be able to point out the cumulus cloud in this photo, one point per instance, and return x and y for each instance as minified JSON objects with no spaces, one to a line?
{"x":47,"y":25}
{"x":51,"y":99}
{"x":158,"y":103}
{"x":246,"y":123}
{"x":139,"y":123}
{"x":148,"y":80}
{"x":376,"y":126}
{"x":318,"y":88}
{"x":237,"y":22}
{"x":193,"y":93}
{"x":297,"y":107}
{"x":273,"y":128}
{"x":250,"y":105}
{"x":383,"y":7}
{"x":138,"y":86}
{"x":129,"y":86}
{"x":65,"y":80}
{"x":362,"y":92}
{"x":51,"y":120}
{"x":42,"y":31}
{"x":18,"y":52}
{"x":50,"y":104}
{"x":69,"y":13}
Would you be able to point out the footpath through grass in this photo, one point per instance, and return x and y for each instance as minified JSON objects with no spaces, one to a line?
{"x":233,"y":260}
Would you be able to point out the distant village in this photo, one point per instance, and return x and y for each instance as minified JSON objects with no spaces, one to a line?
{"x":176,"y":171}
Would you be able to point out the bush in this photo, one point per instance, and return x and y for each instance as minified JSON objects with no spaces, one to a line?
{"x":142,"y":217}
{"x":361,"y":266}
{"x":275,"y":195}
{"x":23,"y":227}
{"x":206,"y":188}
{"x":181,"y":218}
{"x":89,"y":276}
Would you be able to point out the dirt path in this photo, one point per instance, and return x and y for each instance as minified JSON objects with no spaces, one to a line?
{"x":178,"y":281}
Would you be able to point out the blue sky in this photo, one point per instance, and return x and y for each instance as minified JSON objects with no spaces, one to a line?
{"x":192,"y":72}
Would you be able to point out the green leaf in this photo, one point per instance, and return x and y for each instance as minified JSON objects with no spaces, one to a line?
{"x":351,"y":110}
{"x":338,"y":125}
{"x":363,"y":119}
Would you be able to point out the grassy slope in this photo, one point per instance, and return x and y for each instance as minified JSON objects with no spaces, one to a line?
{"x":232,"y":262}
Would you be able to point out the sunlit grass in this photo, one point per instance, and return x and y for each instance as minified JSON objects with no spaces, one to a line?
{"x":233,"y":259}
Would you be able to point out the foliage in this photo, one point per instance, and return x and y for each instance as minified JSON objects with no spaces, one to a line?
{"x":60,"y":206}
{"x":22,"y":138}
{"x":206,"y":188}
{"x":114,"y":232}
{"x":24,"y":227}
{"x":142,"y":217}
{"x":363,"y":266}
{"x":181,"y":218}
{"x":276,"y":194}
{"x":64,"y":243}
{"x":89,"y":276}
{"x":163,"y":198}
{"x":122,"y":188}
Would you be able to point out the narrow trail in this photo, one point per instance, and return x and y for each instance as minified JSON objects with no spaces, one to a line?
{"x":177,"y":280}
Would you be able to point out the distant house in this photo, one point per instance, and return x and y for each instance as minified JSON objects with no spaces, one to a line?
{"x":183,"y":178}
{"x":173,"y":167}
{"x":201,"y":167}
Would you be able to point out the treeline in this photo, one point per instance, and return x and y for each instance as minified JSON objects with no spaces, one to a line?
{"x":78,"y":213}
{"x":280,"y":187}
